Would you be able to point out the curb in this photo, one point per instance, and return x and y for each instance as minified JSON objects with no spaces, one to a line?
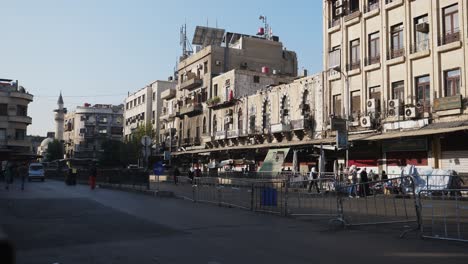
{"x":161,"y":194}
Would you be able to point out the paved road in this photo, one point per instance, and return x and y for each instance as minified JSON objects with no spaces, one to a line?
{"x":53,"y":223}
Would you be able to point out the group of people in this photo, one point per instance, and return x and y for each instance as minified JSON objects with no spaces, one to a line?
{"x":15,"y":170}
{"x":192,"y":174}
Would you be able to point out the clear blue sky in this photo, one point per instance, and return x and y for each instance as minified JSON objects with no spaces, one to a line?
{"x":96,"y":51}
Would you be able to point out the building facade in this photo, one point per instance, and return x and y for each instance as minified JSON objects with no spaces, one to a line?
{"x":14,"y":120}
{"x":395,"y":70}
{"x":88,"y":127}
{"x":187,"y":116}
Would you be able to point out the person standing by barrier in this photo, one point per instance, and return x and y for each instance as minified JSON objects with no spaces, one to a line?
{"x":8,"y":176}
{"x":364,"y":190}
{"x":353,"y":180}
{"x":313,"y":177}
{"x":23,"y":173}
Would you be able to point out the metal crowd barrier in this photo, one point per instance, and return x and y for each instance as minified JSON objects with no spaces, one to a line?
{"x":444,"y":214}
{"x":380,"y":202}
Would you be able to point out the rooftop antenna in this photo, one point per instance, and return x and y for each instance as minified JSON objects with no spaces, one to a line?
{"x":184,"y":42}
{"x":266,"y":31}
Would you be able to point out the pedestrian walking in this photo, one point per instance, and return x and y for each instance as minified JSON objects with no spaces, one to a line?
{"x":176,"y":174}
{"x":92,"y":177}
{"x":23,"y":173}
{"x":364,"y":190}
{"x":191,"y":174}
{"x":8,"y":175}
{"x":313,"y":177}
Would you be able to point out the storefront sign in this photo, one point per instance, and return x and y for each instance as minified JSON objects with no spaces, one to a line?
{"x":338,"y":124}
{"x":448,"y":103}
{"x":342,"y":139}
{"x":419,"y":144}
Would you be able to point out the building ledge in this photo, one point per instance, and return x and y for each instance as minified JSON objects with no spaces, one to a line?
{"x":396,"y":61}
{"x":372,"y":13}
{"x":393,"y":4}
{"x":334,"y":29}
{"x":354,"y":72}
{"x":448,"y":112}
{"x":420,"y":54}
{"x":353,"y":21}
{"x":334,"y":77}
{"x":372,"y":67}
{"x":449,"y":46}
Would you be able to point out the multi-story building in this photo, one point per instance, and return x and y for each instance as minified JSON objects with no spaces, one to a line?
{"x":14,"y":119}
{"x":88,"y":127}
{"x":395,"y":69}
{"x":188,"y":119}
{"x":144,"y":107}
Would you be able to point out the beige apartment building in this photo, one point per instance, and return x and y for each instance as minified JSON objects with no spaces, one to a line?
{"x":396,"y":70}
{"x":14,"y":120}
{"x":186,"y":117}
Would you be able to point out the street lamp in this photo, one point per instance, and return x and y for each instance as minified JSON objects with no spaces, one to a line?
{"x":346,"y":109}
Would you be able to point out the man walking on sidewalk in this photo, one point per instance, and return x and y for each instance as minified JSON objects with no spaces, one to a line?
{"x":313,"y":177}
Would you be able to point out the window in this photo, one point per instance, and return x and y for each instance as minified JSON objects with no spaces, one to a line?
{"x":334,"y":57}
{"x":240,"y":121}
{"x":397,"y":47}
{"x":20,"y":134}
{"x":374,"y":48}
{"x":355,"y":57}
{"x":353,"y":6}
{"x":452,"y":82}
{"x":398,"y":91}
{"x":451,"y":31}
{"x":266,"y":116}
{"x":215,"y":125}
{"x":3,"y":134}
{"x":153,"y":115}
{"x":252,"y":122}
{"x":127,"y":106}
{"x":205,"y":67}
{"x":102,"y":130}
{"x":3,"y":109}
{"x":356,"y":104}
{"x":143,"y":99}
{"x":305,"y":104}
{"x":423,"y":92}
{"x":421,"y":31}
{"x":337,"y":105}
{"x":374,"y":92}
{"x":134,"y":102}
{"x":215,"y":90}
{"x":204,"y":125}
{"x":154,"y":96}
{"x":256,"y":79}
{"x":285,"y":111}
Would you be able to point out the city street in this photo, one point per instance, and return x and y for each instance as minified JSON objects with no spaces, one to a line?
{"x":53,"y":223}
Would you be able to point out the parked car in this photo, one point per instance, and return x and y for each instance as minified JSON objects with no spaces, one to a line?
{"x":36,"y":171}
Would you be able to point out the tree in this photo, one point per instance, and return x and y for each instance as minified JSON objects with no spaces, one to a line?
{"x":54,"y":151}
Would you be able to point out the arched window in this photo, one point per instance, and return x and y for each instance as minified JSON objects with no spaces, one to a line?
{"x":305,"y":106}
{"x":197,"y":129}
{"x":285,"y":110}
{"x":240,"y":120}
{"x":204,"y":125}
{"x":215,"y":125}
{"x":266,"y":116}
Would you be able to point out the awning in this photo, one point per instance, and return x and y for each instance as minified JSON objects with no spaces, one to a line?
{"x":416,"y":133}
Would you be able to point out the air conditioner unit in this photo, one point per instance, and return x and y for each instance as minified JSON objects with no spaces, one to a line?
{"x":338,"y":3}
{"x":410,"y":112}
{"x":371,"y":105}
{"x":339,"y":11}
{"x":422,"y":27}
{"x":394,"y":103}
{"x":366,"y":121}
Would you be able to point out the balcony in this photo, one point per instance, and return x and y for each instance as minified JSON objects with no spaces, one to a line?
{"x":220,"y":135}
{"x":217,"y":104}
{"x":18,"y":143}
{"x":25,"y":96}
{"x":255,"y":131}
{"x":334,"y":23}
{"x":353,"y":66}
{"x":396,"y":53}
{"x":449,"y":37}
{"x":352,"y":15}
{"x":168,"y":94}
{"x":420,"y":46}
{"x":372,"y":60}
{"x":191,"y":109}
{"x":191,"y":84}
{"x":300,"y":124}
{"x":280,"y":128}
{"x":20,"y":119}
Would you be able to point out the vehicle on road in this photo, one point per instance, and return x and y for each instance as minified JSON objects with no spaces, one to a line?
{"x":36,"y":172}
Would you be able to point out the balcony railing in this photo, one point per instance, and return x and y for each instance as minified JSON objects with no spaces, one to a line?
{"x":334,"y":23}
{"x":396,"y":53}
{"x":352,"y":15}
{"x":191,"y":109}
{"x":191,"y":83}
{"x":280,"y":128}
{"x":371,"y":6}
{"x":372,"y":60}
{"x":420,"y":46}
{"x":300,"y":124}
{"x":255,"y":131}
{"x":233,"y":134}
{"x":449,"y":37}
{"x":220,"y":135}
{"x":353,"y":66}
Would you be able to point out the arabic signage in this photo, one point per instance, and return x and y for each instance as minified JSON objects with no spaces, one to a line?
{"x":448,"y":103}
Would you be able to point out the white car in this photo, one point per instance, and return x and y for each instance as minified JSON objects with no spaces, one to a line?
{"x":36,"y":171}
